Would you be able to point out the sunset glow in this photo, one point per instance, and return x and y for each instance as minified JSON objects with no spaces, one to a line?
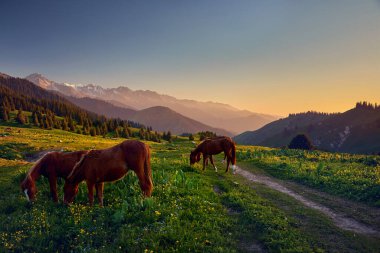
{"x":275,"y":57}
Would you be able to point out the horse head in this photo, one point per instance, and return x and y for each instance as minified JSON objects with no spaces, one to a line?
{"x":70,"y":191}
{"x":194,"y":157}
{"x":29,"y":188}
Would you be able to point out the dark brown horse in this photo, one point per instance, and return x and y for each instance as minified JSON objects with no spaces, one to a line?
{"x":52,"y":165}
{"x":108,"y":165}
{"x":214,"y":146}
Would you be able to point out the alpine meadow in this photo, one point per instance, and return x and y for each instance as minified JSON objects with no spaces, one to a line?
{"x":190,"y":126}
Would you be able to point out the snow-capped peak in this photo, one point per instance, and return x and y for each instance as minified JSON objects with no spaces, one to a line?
{"x":70,"y":85}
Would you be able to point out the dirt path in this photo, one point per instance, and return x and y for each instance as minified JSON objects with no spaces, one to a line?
{"x":339,"y":219}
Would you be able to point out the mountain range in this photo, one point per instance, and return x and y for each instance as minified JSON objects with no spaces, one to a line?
{"x":354,"y":131}
{"x":158,"y":117}
{"x":216,"y":115}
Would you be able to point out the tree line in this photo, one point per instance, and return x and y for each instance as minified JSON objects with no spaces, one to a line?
{"x":50,"y":111}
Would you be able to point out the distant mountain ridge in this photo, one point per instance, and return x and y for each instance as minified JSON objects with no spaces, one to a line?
{"x":158,"y":117}
{"x":209,"y":113}
{"x":354,"y":131}
{"x":24,"y":94}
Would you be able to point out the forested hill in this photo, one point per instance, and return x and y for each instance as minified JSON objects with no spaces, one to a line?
{"x":50,"y":110}
{"x":354,"y":131}
{"x":17,"y":93}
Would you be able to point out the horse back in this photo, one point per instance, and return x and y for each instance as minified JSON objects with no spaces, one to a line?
{"x":61,"y":164}
{"x":113,"y":163}
{"x":217,"y":145}
{"x":135,"y":153}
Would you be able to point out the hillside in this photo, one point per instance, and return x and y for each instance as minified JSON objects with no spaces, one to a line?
{"x":209,"y":113}
{"x":21,"y":93}
{"x":49,"y":110}
{"x":159,"y":118}
{"x":102,"y":107}
{"x":354,"y":131}
{"x":162,"y":118}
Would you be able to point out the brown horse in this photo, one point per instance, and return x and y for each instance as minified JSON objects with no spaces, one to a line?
{"x":52,"y":165}
{"x":215,"y":146}
{"x":108,"y":165}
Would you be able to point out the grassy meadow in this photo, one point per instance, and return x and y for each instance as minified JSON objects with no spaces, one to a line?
{"x":189,"y":211}
{"x":356,"y":177}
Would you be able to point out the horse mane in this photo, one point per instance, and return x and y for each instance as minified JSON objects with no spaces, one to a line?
{"x":37,"y":166}
{"x":75,"y":171}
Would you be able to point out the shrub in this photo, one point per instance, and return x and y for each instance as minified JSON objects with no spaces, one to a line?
{"x":301,"y":141}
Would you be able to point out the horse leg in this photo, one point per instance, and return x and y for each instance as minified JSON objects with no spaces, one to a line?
{"x":228,"y":164}
{"x":212,"y":162}
{"x":99,"y":192}
{"x":53,"y":187}
{"x":204,"y":161}
{"x":90,"y":187}
{"x":224,"y":159}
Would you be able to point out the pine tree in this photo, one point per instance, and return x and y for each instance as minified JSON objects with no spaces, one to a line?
{"x":169,"y":136}
{"x":12,"y":105}
{"x":20,"y":118}
{"x":4,"y":113}
{"x":71,"y":124}
{"x":117,"y":133}
{"x":86,"y":124}
{"x":92,"y":131}
{"x":64,"y":125}
{"x":46,"y":123}
{"x":141,"y":134}
{"x":125,"y":133}
{"x":36,"y":122}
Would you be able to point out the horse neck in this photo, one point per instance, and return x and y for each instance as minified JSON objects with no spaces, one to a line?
{"x":77,"y":178}
{"x":36,"y":171}
{"x":198,"y":149}
{"x":34,"y":175}
{"x":77,"y":175}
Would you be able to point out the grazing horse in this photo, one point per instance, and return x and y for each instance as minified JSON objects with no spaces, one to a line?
{"x":215,"y":146}
{"x":52,"y":165}
{"x":107,"y":165}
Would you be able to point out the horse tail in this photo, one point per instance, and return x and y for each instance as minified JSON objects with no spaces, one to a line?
{"x":147,"y":169}
{"x":233,"y":154}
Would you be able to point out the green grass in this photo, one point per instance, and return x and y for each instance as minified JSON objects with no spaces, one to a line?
{"x":190,"y":210}
{"x":355,"y":177}
{"x":185,"y":214}
{"x":319,"y":230}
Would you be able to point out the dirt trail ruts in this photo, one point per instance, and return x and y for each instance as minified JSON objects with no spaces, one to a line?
{"x":339,"y":219}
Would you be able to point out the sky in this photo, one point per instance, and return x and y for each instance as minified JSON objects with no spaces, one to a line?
{"x":274,"y":57}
